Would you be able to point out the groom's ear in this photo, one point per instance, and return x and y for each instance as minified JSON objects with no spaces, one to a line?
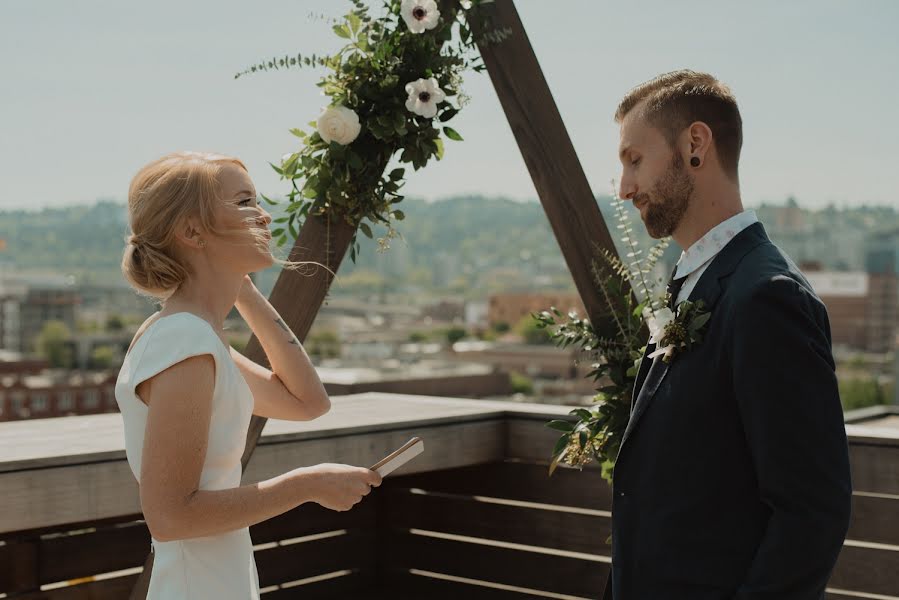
{"x":698,"y":142}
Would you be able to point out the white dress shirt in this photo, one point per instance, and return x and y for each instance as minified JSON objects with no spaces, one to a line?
{"x":695,"y":259}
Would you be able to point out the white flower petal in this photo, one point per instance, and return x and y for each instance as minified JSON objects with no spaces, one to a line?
{"x":338,"y":124}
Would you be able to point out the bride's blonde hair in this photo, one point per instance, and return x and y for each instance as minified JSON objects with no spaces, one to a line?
{"x":160,"y":198}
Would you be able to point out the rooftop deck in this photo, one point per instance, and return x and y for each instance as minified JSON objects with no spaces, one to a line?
{"x":476,"y":514}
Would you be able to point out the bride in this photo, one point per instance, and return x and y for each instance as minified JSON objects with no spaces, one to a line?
{"x":186,"y":397}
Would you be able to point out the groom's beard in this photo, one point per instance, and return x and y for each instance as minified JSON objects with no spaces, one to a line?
{"x":668,"y":199}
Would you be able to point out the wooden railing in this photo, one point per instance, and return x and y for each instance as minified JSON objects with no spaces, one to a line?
{"x":475,"y":515}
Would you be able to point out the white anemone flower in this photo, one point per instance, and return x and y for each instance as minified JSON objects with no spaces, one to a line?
{"x":424,"y":96}
{"x":339,"y":124}
{"x":420,"y":15}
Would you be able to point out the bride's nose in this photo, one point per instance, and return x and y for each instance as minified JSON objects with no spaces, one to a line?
{"x":265,"y":219}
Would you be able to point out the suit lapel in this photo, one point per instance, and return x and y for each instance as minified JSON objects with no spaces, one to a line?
{"x":708,"y":288}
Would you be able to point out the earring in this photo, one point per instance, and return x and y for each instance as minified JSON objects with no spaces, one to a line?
{"x":202,"y":243}
{"x":694,"y":161}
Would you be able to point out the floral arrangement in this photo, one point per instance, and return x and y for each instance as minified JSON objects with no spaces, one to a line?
{"x":392,"y":87}
{"x":598,"y":430}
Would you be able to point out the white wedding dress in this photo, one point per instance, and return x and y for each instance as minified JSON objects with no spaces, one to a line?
{"x":219,"y":567}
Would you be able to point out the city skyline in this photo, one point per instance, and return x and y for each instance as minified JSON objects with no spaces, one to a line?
{"x":91,"y":103}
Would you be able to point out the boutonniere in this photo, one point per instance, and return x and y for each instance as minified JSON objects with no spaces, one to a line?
{"x":678,"y":330}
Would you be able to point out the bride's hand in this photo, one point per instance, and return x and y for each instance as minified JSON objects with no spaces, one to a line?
{"x":246,"y":291}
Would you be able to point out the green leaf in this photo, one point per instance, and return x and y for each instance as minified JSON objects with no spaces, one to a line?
{"x":399,"y":215}
{"x":272,"y":202}
{"x":582,"y":414}
{"x":397,"y":174}
{"x":448,"y":114}
{"x":439,"y":143}
{"x":366,"y":230}
{"x":560,"y":445}
{"x":354,"y":161}
{"x":298,"y":132}
{"x":452,"y":134}
{"x":354,"y":22}
{"x":342,"y":30}
{"x":277,"y":232}
{"x":699,"y":321}
{"x":560,"y":425}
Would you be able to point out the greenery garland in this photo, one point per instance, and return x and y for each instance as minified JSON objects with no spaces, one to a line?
{"x":393,"y":86}
{"x":598,"y":431}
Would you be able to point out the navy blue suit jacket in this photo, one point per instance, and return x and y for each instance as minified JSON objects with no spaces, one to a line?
{"x":733,"y":477}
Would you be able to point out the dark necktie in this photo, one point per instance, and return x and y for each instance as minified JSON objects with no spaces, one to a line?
{"x":674,"y":286}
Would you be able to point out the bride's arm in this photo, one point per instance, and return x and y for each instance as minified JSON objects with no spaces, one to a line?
{"x":292,"y":389}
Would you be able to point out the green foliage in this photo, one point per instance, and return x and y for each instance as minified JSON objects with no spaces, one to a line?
{"x":53,"y":344}
{"x":596,"y":433}
{"x":454,"y":334}
{"x":521,"y":384}
{"x":857,"y":392}
{"x":115,"y":323}
{"x":368,"y":75}
{"x":418,"y":336}
{"x":323,"y":344}
{"x":101,"y":357}
{"x":532,"y":331}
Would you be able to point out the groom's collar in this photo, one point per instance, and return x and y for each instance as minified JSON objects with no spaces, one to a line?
{"x":713,"y":241}
{"x":708,"y":288}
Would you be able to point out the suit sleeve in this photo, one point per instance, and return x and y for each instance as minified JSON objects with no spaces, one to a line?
{"x":787,"y":396}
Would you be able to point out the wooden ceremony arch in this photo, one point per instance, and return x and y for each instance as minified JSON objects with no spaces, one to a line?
{"x":554,"y":167}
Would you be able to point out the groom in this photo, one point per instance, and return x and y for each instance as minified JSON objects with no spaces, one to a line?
{"x":732,"y":481}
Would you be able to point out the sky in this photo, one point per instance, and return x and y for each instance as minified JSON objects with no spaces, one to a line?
{"x":92,"y":90}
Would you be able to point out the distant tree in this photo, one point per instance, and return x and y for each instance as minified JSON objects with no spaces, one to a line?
{"x":454,"y":334}
{"x":324,"y":344}
{"x":501,"y":327}
{"x":521,"y":384}
{"x":418,"y":336}
{"x":115,"y":323}
{"x":532,"y":334}
{"x":238,"y":343}
{"x":102,"y":357}
{"x":53,"y":344}
{"x":861,"y":392}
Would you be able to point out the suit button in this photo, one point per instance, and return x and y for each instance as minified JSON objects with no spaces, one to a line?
{"x":621,"y":494}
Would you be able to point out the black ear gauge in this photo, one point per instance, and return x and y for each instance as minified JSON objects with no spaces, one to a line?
{"x":694,"y":161}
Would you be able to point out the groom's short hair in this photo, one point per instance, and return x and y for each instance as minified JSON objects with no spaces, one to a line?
{"x":675,"y":100}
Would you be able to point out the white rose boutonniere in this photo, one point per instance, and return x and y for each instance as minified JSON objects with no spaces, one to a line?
{"x":675,"y":331}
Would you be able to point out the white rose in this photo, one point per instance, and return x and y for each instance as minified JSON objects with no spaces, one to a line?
{"x":338,"y":124}
{"x":658,"y":322}
{"x":420,"y":15}
{"x":424,"y":96}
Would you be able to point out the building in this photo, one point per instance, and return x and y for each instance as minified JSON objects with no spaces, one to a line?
{"x":28,"y":302}
{"x":846,"y":296}
{"x":29,"y":390}
{"x":862,"y":306}
{"x":510,"y":308}
{"x":882,"y":263}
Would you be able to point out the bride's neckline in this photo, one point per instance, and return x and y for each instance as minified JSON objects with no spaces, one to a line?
{"x":182,"y":312}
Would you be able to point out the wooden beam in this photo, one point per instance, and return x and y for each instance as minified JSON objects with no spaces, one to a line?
{"x":297,"y":296}
{"x":549,"y":155}
{"x":554,"y":167}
